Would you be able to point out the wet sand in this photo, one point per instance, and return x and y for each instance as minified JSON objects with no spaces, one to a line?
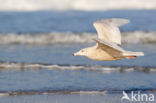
{"x":68,"y":98}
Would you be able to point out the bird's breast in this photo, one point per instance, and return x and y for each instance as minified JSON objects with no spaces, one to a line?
{"x":101,"y":55}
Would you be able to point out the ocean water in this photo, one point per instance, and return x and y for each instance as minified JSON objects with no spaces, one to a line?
{"x":36,"y":50}
{"x":72,"y":21}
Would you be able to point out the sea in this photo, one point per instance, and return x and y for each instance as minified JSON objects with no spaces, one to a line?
{"x":36,"y":50}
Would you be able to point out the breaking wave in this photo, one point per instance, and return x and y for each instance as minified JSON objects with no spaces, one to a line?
{"x":69,"y":90}
{"x":29,"y":5}
{"x":101,"y":68}
{"x":16,"y":93}
{"x":70,"y":38}
{"x":50,"y":92}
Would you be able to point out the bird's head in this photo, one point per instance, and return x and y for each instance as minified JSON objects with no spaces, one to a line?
{"x":82,"y":52}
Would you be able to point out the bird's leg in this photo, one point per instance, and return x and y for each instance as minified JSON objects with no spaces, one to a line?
{"x":130,"y":57}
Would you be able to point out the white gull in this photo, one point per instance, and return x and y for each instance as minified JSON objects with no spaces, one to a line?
{"x":108,"y":42}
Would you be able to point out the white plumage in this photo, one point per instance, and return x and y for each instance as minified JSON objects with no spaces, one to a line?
{"x":107,"y":29}
{"x":108,"y":41}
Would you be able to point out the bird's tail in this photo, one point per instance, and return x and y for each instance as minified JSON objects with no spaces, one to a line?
{"x":130,"y":55}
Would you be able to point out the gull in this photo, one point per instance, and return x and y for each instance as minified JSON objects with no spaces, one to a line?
{"x":108,"y":43}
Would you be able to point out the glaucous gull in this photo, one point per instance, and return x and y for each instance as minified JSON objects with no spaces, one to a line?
{"x":108,"y":42}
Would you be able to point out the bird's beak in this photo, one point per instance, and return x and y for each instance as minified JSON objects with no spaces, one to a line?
{"x":75,"y":54}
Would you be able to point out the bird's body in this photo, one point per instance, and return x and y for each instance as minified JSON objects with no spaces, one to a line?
{"x":108,"y":42}
{"x":98,"y":54}
{"x":101,"y":55}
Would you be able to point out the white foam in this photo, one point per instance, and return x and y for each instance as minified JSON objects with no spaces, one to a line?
{"x":100,"y":68}
{"x":89,"y":92}
{"x":71,"y":38}
{"x":51,"y":38}
{"x":38,"y":92}
{"x":32,"y":5}
{"x":139,"y":37}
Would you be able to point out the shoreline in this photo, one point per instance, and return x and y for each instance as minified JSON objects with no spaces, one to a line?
{"x":67,"y":98}
{"x":76,"y":92}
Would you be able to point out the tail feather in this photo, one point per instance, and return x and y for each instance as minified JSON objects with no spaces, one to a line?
{"x":129,"y":54}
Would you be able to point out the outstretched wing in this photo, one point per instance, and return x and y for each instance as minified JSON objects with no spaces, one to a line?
{"x":108,"y":30}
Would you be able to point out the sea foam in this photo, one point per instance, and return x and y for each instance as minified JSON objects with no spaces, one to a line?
{"x":72,"y":38}
{"x":31,"y":5}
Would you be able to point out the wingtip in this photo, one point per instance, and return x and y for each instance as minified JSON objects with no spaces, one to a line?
{"x":127,"y":54}
{"x":127,"y":21}
{"x":117,"y":21}
{"x":142,"y":54}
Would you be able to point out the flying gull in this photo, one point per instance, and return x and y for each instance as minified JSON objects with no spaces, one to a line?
{"x":108,"y":42}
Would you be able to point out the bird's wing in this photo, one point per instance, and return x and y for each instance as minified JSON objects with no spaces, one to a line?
{"x":110,"y":47}
{"x":107,"y":29}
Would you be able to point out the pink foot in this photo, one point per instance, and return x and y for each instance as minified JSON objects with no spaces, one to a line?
{"x":130,"y":57}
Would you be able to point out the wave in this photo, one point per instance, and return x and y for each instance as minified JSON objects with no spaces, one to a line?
{"x":45,"y":92}
{"x":71,"y":38}
{"x":32,"y":92}
{"x":29,"y":5}
{"x":50,"y":38}
{"x":15,"y":66}
{"x":101,"y":68}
